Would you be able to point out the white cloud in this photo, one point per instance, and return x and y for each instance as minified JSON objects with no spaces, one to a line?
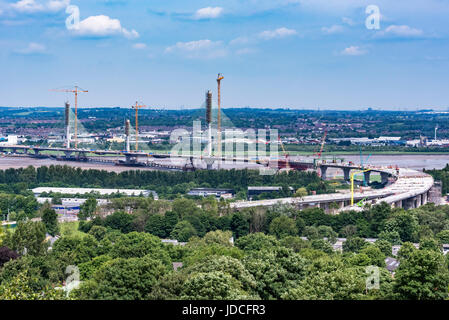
{"x":133,"y":34}
{"x":33,"y":48}
{"x":353,"y":51}
{"x":199,"y":49}
{"x":403,"y":31}
{"x":103,"y":26}
{"x":348,"y":21}
{"x":239,"y":41}
{"x":245,"y":51}
{"x":56,"y":5}
{"x":139,"y":46}
{"x":208,"y":13}
{"x":33,"y":6}
{"x":28,"y":6}
{"x":278,"y":33}
{"x":332,"y":29}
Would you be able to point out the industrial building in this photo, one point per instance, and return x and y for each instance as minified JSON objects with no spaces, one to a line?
{"x":206,"y":192}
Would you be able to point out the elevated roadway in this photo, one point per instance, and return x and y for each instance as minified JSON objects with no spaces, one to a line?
{"x":409,"y":189}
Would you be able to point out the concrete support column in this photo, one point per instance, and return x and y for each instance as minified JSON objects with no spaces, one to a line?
{"x":67,"y":154}
{"x":323,"y":172}
{"x":128,"y":158}
{"x":384,"y":177}
{"x":424,"y":198}
{"x":347,"y":174}
{"x":209,"y":163}
{"x":418,"y":200}
{"x":367,"y":176}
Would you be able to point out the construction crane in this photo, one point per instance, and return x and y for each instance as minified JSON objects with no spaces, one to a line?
{"x":76,"y":90}
{"x":323,"y":142}
{"x":287,"y":164}
{"x":137,"y":107}
{"x":219,"y":78}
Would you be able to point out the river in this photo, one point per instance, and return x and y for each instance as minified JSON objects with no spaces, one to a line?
{"x":417,"y":162}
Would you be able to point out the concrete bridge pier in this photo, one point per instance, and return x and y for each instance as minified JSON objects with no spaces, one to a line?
{"x":347,"y":174}
{"x":129,"y":158}
{"x":424,"y":199}
{"x":384,"y":177}
{"x":367,"y":177}
{"x":418,"y":200}
{"x":189,"y":166}
{"x":409,"y":203}
{"x":323,"y":172}
{"x":67,"y":154}
{"x":82,"y":155}
{"x":209,"y":163}
{"x":36,"y":151}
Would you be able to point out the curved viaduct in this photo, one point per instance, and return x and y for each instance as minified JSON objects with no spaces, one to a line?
{"x":408,"y":189}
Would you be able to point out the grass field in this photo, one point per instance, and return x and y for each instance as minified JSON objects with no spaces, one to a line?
{"x":70,"y":229}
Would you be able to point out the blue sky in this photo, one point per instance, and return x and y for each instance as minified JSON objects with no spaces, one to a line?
{"x":277,"y":53}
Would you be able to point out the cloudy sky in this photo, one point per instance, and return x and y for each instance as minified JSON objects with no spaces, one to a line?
{"x":273,"y":53}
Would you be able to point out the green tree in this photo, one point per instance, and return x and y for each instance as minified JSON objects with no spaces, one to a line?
{"x":87,"y":209}
{"x":337,"y":285}
{"x":376,"y":256}
{"x":443,"y":237}
{"x":385,"y":247}
{"x":295,"y":243}
{"x":354,"y":244}
{"x":137,"y":245}
{"x":423,"y":276}
{"x":121,"y":221}
{"x":29,"y":238}
{"x":228,"y":265}
{"x":430,"y":244}
{"x":323,"y":245}
{"x":99,"y":232}
{"x":214,"y":285}
{"x":183,"y":231}
{"x":18,"y":289}
{"x":327,"y":232}
{"x":123,"y":279}
{"x":392,"y":237}
{"x":218,"y":237}
{"x":301,"y":193}
{"x":239,"y":225}
{"x":311,"y":233}
{"x":156,"y":225}
{"x":275,"y":270}
{"x":406,"y":251}
{"x":283,"y":226}
{"x":50,"y":220}
{"x":256,"y":241}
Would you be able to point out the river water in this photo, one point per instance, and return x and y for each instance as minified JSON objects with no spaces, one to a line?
{"x":417,"y":162}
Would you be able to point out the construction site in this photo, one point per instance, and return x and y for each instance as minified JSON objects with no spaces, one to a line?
{"x":401,"y":187}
